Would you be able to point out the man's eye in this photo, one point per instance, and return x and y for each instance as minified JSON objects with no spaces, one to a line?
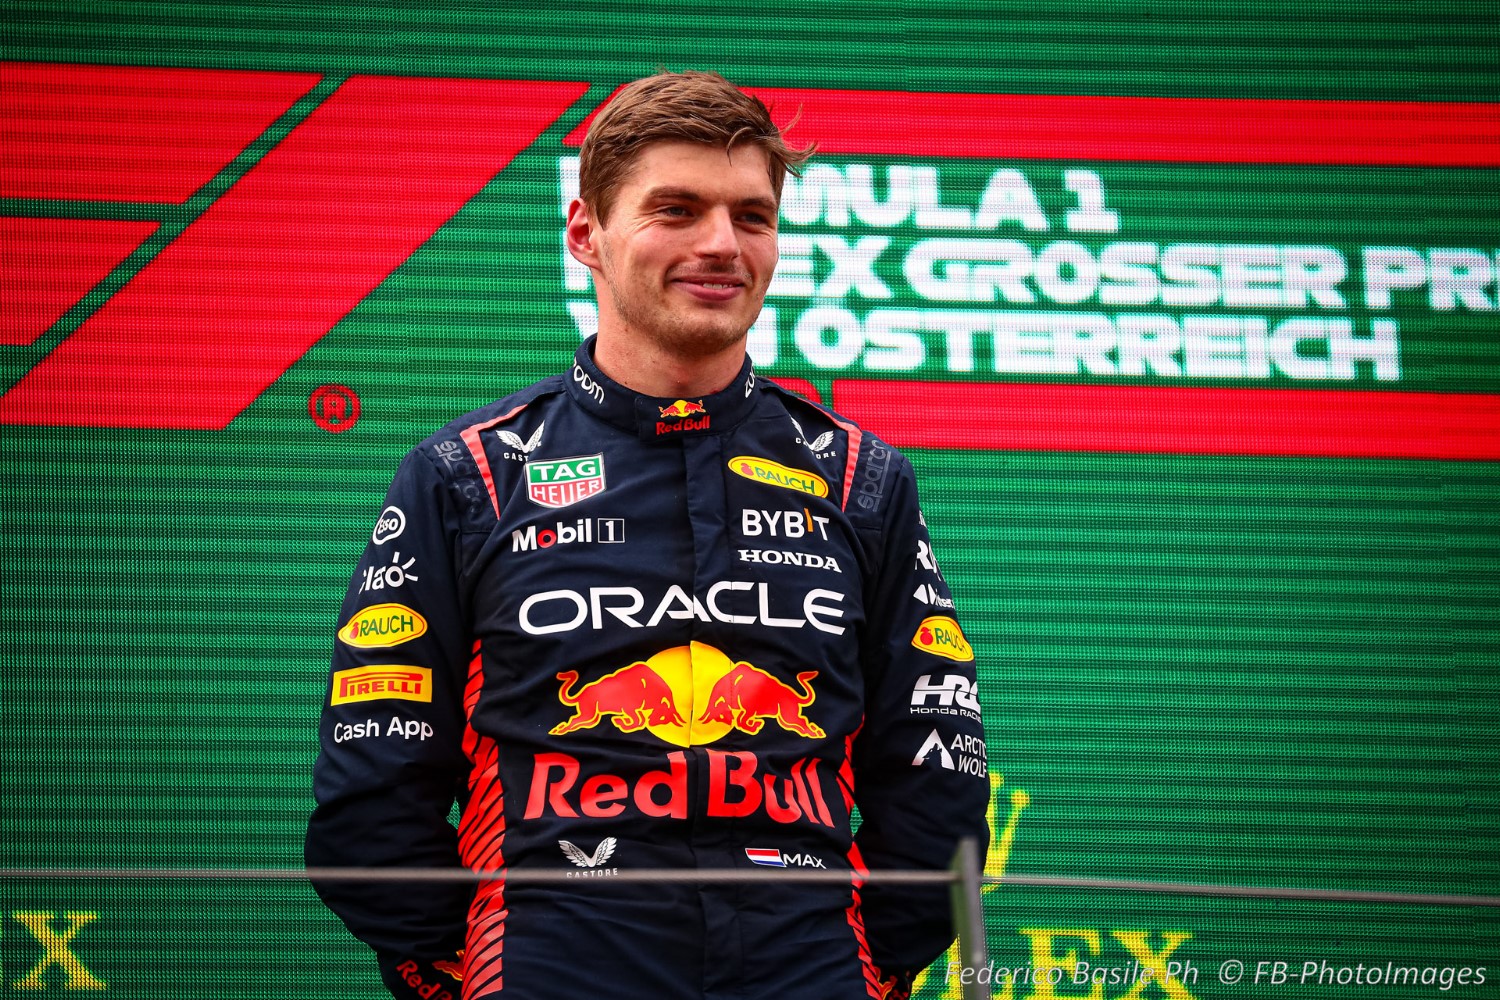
{"x":674,"y":210}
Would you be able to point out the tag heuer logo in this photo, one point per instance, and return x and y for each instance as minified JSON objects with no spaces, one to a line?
{"x":565,"y":481}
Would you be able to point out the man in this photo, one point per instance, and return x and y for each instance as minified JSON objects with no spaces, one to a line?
{"x":653,"y":613}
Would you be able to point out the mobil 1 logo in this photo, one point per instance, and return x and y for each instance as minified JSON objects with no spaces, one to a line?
{"x":585,"y":530}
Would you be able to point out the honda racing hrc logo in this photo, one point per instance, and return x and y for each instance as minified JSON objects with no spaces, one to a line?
{"x":953,"y":695}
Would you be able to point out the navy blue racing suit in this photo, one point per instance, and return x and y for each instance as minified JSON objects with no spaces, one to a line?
{"x":624,"y":632}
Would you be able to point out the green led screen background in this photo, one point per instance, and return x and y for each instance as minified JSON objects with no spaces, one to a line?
{"x":1185,"y":313}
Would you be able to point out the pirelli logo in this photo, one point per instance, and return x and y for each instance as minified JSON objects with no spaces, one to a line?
{"x":403,"y":683}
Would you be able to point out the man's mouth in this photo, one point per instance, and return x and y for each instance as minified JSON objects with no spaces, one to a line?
{"x":712,"y":288}
{"x":719,"y":281}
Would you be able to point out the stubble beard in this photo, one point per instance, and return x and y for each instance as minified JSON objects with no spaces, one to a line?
{"x":704,"y":335}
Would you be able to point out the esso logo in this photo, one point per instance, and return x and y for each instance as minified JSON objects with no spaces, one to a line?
{"x":390,"y":525}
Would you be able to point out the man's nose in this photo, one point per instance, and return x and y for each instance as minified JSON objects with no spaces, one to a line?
{"x":717,"y":236}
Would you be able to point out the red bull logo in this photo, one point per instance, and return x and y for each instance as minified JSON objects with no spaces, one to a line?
{"x":681,"y":413}
{"x":747,"y":696}
{"x":682,"y":408}
{"x":650,"y":695}
{"x":411,"y":972}
{"x":635,"y":696}
{"x":738,"y":786}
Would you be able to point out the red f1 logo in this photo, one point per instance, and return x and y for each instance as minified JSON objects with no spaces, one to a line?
{"x":268,"y":268}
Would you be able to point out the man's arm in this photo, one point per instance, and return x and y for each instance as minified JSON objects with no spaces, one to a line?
{"x":391,"y":762}
{"x":920,"y":768}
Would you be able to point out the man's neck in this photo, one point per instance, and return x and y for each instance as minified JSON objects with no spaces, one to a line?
{"x":652,"y":372}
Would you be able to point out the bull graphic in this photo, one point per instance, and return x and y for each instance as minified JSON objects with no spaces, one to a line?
{"x":682,"y":408}
{"x":746,"y":696}
{"x":636,"y":696}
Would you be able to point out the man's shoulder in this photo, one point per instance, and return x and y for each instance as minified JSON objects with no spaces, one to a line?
{"x":455,"y":454}
{"x":816,"y":420}
{"x":869,"y":461}
{"x":493,"y":415}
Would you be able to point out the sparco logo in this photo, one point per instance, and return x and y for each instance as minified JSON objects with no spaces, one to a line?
{"x":585,"y":530}
{"x":872,"y":477}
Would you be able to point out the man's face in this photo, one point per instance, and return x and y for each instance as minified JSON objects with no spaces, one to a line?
{"x":689,"y":248}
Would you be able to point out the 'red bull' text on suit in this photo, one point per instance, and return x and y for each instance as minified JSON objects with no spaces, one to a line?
{"x":624,"y":633}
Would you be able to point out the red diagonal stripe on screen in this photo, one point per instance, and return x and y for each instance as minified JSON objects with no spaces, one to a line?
{"x":1144,"y":129}
{"x":270,"y":267}
{"x":46,"y":265}
{"x":1181,"y":421}
{"x":130,"y":133}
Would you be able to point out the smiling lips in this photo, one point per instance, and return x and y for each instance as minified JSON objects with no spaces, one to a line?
{"x":712,"y":287}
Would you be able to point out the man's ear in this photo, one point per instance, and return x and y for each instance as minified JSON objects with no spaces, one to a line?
{"x":582,"y":235}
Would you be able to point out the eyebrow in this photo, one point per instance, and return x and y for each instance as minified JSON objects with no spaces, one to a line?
{"x":666,"y":193}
